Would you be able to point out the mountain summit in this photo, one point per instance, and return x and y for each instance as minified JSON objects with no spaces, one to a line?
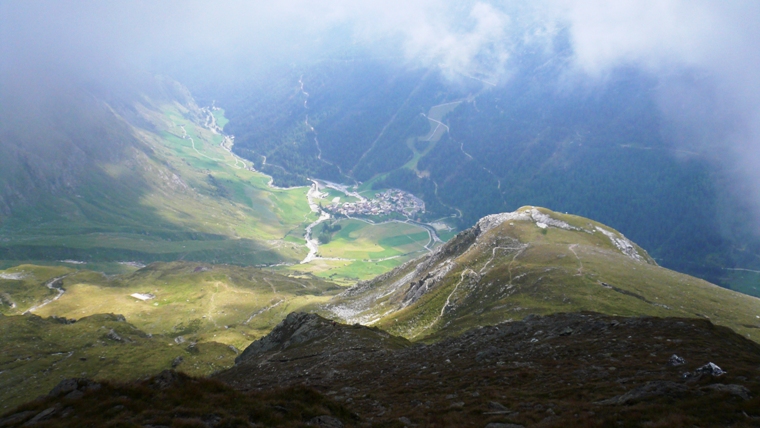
{"x":534,"y":261}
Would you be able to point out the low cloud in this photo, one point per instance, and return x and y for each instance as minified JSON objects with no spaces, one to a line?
{"x":705,"y":53}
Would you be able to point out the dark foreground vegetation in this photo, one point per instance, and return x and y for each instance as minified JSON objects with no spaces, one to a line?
{"x":582,"y":369}
{"x":177,"y":400}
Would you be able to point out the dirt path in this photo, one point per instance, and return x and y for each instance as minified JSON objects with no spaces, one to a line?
{"x":580,"y":262}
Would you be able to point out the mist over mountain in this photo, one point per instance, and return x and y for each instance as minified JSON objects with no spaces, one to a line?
{"x":643,"y":115}
{"x":504,"y":202}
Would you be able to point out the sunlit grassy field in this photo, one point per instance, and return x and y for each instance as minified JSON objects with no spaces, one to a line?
{"x":213,"y":306}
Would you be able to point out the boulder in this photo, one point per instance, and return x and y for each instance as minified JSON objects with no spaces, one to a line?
{"x":711,"y":369}
{"x":676,"y":361}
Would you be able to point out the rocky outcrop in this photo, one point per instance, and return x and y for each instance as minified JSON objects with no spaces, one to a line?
{"x":535,"y":371}
{"x":297,"y":327}
{"x":304,"y":335}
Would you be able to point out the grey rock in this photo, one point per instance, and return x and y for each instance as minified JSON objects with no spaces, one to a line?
{"x":486,"y":354}
{"x":649,"y":390}
{"x":74,"y":388}
{"x":493,"y":405}
{"x":495,"y":408}
{"x":179,"y":340}
{"x":738,"y":390}
{"x":64,"y":387}
{"x":712,"y":369}
{"x":406,"y":421}
{"x":16,"y":418}
{"x":165,"y":379}
{"x":74,"y":395}
{"x":114,"y":336}
{"x":326,"y":421}
{"x":503,"y":425}
{"x":676,"y":361}
{"x":41,"y":416}
{"x":296,"y":328}
{"x":177,"y":361}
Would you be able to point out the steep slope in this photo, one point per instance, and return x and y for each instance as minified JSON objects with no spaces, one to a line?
{"x":560,"y":370}
{"x":143,"y":174}
{"x":470,"y":148}
{"x":535,"y":261}
{"x":563,"y":370}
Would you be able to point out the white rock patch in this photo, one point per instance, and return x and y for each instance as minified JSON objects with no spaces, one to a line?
{"x":14,"y":276}
{"x":143,"y":296}
{"x":547,"y":220}
{"x":622,"y":244}
{"x":490,"y":221}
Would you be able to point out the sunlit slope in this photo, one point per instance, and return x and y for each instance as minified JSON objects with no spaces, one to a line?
{"x":360,"y":250}
{"x":535,"y":261}
{"x":173,"y":192}
{"x":200,"y":302}
{"x":165,"y":186}
{"x":202,"y":313}
{"x":37,"y":353}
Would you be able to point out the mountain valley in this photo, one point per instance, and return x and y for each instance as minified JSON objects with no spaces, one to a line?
{"x":379,"y":214}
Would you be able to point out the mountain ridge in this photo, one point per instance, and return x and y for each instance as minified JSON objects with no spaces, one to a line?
{"x":534,"y":261}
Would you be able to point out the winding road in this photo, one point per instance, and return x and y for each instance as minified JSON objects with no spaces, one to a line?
{"x":54,"y":284}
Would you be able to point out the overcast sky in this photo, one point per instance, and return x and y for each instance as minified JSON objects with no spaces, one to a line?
{"x":715,"y":42}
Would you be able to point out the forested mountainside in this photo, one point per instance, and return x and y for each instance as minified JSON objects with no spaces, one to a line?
{"x":470,"y":148}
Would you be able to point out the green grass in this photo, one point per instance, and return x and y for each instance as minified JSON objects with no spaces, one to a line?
{"x":172,"y":199}
{"x":519,"y":269}
{"x":221,"y":299}
{"x":37,"y":353}
{"x":362,"y":241}
{"x":221,"y":121}
{"x":435,"y":115}
{"x":165,"y":203}
{"x":213,"y":305}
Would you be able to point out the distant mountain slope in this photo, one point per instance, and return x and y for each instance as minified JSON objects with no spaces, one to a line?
{"x":535,"y":261}
{"x":93,"y":174}
{"x":543,"y":137}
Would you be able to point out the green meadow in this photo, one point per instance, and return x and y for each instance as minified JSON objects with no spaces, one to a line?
{"x":203,"y":313}
{"x":181,"y":195}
